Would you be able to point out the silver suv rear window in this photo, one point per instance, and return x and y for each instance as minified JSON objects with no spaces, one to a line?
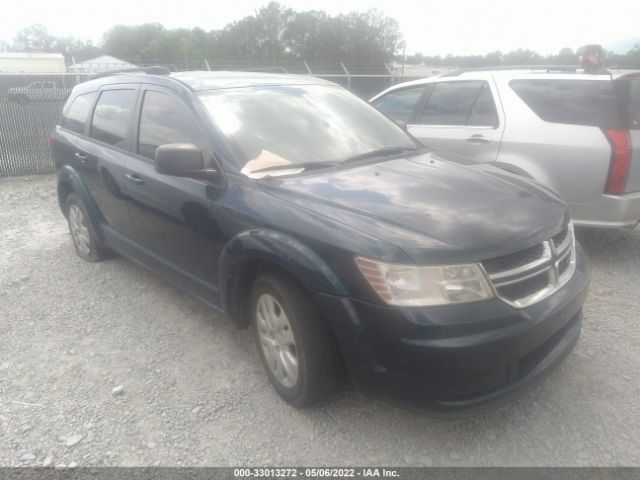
{"x":576,"y":102}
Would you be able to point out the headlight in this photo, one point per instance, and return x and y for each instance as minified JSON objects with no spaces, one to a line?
{"x":415,"y":286}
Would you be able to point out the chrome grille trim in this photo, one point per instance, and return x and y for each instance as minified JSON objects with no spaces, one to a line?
{"x":527,"y":275}
{"x":546,"y":256}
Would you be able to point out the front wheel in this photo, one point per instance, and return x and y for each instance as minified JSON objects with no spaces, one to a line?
{"x":297,"y":349}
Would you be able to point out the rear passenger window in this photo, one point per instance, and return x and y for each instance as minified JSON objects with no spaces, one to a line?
{"x":484,"y":112}
{"x":77,"y":114}
{"x":112,"y":115}
{"x":451,"y":103}
{"x":163,"y":120}
{"x":399,"y":104}
{"x":577,"y":102}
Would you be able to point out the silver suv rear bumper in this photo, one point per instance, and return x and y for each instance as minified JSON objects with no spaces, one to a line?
{"x":611,"y":211}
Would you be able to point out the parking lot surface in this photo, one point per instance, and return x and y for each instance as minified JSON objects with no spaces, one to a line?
{"x":108,"y":364}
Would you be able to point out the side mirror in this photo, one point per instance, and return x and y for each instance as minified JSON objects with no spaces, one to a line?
{"x":182,"y":160}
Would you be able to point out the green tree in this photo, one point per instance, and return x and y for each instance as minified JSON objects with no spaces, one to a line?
{"x":34,"y":38}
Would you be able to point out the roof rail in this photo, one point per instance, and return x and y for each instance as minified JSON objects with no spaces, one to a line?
{"x":155,"y":70}
{"x":548,"y":68}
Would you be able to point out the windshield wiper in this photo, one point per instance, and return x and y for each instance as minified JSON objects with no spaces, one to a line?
{"x":296,"y":166}
{"x":382,"y":152}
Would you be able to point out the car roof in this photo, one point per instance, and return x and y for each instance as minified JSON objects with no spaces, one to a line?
{"x":206,"y":80}
{"x":513,"y":72}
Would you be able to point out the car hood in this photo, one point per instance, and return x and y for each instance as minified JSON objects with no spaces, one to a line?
{"x":433,"y":209}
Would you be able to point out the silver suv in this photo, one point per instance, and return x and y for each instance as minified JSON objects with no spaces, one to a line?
{"x":576,"y":133}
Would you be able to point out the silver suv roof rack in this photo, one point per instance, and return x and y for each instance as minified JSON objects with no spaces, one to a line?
{"x":155,"y":70}
{"x":548,"y":68}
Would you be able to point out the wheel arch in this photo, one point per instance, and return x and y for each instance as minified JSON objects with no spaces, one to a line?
{"x":69,"y":181}
{"x":250,"y":253}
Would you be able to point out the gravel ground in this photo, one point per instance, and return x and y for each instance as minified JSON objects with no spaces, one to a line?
{"x":107,"y":364}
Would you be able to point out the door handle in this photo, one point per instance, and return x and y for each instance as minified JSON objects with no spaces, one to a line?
{"x":134,"y":178}
{"x":82,"y":158}
{"x":477,"y":138}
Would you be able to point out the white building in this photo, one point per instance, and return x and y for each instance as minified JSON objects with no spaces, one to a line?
{"x":32,"y":63}
{"x":104,"y":63}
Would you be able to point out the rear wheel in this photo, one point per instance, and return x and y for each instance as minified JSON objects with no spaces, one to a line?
{"x":83,"y":232}
{"x":297,"y":349}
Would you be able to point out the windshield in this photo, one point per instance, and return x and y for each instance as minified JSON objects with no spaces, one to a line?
{"x":268,"y":126}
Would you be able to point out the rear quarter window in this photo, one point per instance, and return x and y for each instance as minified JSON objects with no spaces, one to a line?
{"x":576,"y":102}
{"x":634,"y":103}
{"x":628,"y":93}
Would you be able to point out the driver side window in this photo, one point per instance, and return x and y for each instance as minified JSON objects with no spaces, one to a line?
{"x":163,"y":120}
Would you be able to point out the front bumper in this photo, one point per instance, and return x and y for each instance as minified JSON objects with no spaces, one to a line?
{"x":611,"y":211}
{"x":457,"y":358}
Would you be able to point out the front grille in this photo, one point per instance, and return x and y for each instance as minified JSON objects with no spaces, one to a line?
{"x":560,"y":237}
{"x":528,"y":276}
{"x":514,"y":260}
{"x":525,"y":288}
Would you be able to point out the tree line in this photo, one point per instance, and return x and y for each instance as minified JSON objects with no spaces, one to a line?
{"x":566,"y":56}
{"x":276,"y":35}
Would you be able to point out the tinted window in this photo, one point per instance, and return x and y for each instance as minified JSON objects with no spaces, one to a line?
{"x":399,"y":104}
{"x":578,"y":102}
{"x":164,"y":120}
{"x":111,"y":116}
{"x":634,"y":103}
{"x":77,"y":114}
{"x":484,"y":112}
{"x":628,"y":95}
{"x":450,"y":103}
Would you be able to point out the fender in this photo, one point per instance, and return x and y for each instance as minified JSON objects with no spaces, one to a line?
{"x":70,"y":176}
{"x":278,"y":249}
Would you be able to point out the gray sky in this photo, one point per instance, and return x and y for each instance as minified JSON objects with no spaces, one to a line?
{"x":434,"y":27}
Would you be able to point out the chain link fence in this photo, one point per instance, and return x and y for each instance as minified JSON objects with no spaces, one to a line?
{"x":30,"y":105}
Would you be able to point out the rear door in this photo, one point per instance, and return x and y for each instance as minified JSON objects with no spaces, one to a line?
{"x":460,"y":116}
{"x":104,"y":156}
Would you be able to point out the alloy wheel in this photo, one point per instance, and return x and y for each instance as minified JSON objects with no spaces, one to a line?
{"x":277,"y":341}
{"x":79,"y":230}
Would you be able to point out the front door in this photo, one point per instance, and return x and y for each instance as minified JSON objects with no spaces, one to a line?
{"x":171,"y":216}
{"x":460,"y":117}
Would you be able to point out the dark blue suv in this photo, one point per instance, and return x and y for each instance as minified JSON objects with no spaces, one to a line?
{"x":294,"y":207}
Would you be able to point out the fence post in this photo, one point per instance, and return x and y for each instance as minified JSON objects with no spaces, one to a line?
{"x":390,"y":75}
{"x":348,"y":75}
{"x":206,"y":64}
{"x":306,"y":65}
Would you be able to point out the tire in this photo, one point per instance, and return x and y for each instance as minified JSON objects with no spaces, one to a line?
{"x":315,"y":349}
{"x":83,"y":233}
